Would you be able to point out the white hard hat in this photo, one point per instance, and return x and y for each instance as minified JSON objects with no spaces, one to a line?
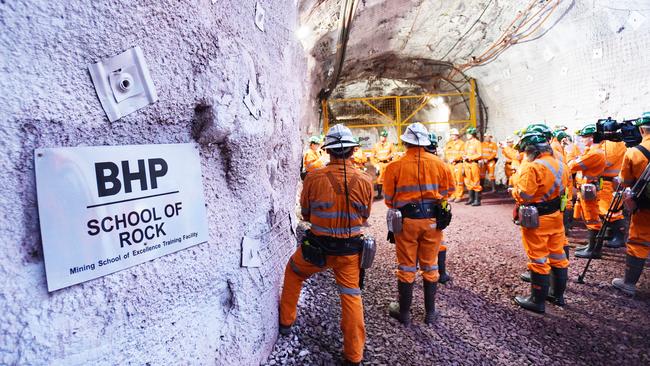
{"x":416,"y":134}
{"x":339,"y":136}
{"x":510,"y":139}
{"x":454,"y":131}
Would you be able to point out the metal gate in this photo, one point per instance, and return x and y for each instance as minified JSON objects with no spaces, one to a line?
{"x":396,"y":111}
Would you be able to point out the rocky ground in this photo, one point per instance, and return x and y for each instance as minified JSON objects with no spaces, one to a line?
{"x":478,"y":323}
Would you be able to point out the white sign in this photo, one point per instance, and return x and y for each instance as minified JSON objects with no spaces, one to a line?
{"x":106,"y":208}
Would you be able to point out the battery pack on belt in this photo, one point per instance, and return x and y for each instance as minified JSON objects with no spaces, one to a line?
{"x":420,"y":211}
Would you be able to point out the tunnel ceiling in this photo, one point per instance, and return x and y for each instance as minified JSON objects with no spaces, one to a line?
{"x":416,"y":41}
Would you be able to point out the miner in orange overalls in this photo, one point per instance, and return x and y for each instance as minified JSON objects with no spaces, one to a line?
{"x":591,"y":164}
{"x":417,"y":185}
{"x":454,"y":156}
{"x":382,"y":154}
{"x":313,"y":158}
{"x":489,"y":151}
{"x":638,"y":245}
{"x":540,"y":183}
{"x":614,"y":153}
{"x":511,"y":156}
{"x":336,"y":200}
{"x":359,"y":158}
{"x":471,"y":156}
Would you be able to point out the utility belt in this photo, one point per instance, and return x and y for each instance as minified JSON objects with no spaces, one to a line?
{"x":472,"y":160}
{"x":315,"y":248}
{"x":456,"y":162}
{"x":440,"y":211}
{"x":528,"y":215}
{"x":608,"y":179}
{"x":384,"y":161}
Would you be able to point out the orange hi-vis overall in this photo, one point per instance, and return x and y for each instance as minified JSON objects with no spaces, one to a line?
{"x":592,"y":164}
{"x":614,"y":153}
{"x":473,"y":153}
{"x":634,"y":163}
{"x":558,"y":150}
{"x":454,"y":155}
{"x":359,"y":158}
{"x":511,"y":157}
{"x":312,"y":160}
{"x":489,"y":151}
{"x":419,"y":242}
{"x":542,"y":180}
{"x":382,"y":154}
{"x":323,"y":203}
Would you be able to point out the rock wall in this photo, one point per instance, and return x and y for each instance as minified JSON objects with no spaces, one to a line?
{"x":590,"y":64}
{"x":196,"y":306}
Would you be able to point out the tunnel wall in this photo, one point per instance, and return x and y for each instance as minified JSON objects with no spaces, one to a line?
{"x":591,"y":64}
{"x":196,"y":306}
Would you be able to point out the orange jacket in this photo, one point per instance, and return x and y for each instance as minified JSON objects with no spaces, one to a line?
{"x":558,"y":150}
{"x":572,"y":152}
{"x":312,"y":160}
{"x":382,"y":151}
{"x":454,"y":151}
{"x":323,"y":201}
{"x":634,"y":163}
{"x":401,"y":183}
{"x":510,"y":154}
{"x":473,"y":149}
{"x":489,"y":150}
{"x":614,"y":153}
{"x":591,"y":163}
{"x":541,"y":180}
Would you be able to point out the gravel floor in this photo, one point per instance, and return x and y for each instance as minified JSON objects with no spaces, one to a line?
{"x":478,"y":323}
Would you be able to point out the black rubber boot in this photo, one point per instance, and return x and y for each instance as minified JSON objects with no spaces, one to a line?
{"x":477,"y":199}
{"x":402,"y":310}
{"x":347,"y":362}
{"x":633,"y":269}
{"x":493,"y":186}
{"x":470,"y":198}
{"x":525,"y":276}
{"x":538,"y":291}
{"x":591,"y":251}
{"x":442,"y":267}
{"x":430,"y":301}
{"x":379,"y":195}
{"x":618,"y":234}
{"x":284,"y":329}
{"x":559,"y":278}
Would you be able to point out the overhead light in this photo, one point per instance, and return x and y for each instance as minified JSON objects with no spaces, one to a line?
{"x":303,"y":32}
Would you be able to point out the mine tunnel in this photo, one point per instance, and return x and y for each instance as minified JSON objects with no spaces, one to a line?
{"x":325,"y":182}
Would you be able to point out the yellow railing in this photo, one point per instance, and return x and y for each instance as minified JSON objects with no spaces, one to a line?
{"x":393,"y":111}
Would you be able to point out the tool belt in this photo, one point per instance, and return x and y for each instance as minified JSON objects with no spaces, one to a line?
{"x":608,"y":179}
{"x":548,"y":207}
{"x":472,"y":160}
{"x":420,"y":211}
{"x":384,"y":161}
{"x":336,"y":246}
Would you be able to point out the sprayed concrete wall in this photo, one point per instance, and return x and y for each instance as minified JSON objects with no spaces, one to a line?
{"x":589,"y":65}
{"x":197,"y":306}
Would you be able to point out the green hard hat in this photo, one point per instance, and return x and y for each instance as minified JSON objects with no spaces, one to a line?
{"x":314,"y":140}
{"x":644,"y":120}
{"x":433,"y":138}
{"x":588,"y":130}
{"x":560,"y":135}
{"x":541,"y":128}
{"x":383,"y":133}
{"x":530,"y":138}
{"x":472,"y":130}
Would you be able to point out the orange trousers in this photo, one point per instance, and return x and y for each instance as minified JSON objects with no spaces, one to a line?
{"x":605,"y":198}
{"x":457,"y":175}
{"x":638,"y":245}
{"x":488,"y":169}
{"x":544,"y":245}
{"x":381,"y":168}
{"x":418,"y":245}
{"x":472,"y":177}
{"x":346,"y":273}
{"x":587,"y":211}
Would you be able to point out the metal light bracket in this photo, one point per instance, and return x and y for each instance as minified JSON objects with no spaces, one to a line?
{"x":123,"y":83}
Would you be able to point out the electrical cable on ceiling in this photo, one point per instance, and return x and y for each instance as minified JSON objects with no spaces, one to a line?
{"x":470,"y":28}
